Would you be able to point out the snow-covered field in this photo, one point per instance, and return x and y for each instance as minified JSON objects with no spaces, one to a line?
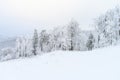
{"x":100,"y":64}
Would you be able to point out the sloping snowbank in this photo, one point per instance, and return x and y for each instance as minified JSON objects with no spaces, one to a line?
{"x":101,"y":64}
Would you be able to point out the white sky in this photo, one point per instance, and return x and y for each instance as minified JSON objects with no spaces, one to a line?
{"x":22,"y":16}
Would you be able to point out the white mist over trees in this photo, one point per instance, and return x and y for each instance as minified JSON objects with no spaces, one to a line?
{"x":68,"y":38}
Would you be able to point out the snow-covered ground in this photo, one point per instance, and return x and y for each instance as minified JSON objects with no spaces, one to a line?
{"x":100,"y":64}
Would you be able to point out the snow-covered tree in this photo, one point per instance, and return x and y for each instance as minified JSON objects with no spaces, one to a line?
{"x":73,"y":33}
{"x":23,"y":47}
{"x":90,"y":42}
{"x":44,"y":41}
{"x":19,"y":43}
{"x":108,"y":28}
{"x":61,"y":37}
{"x":35,"y":42}
{"x":7,"y":54}
{"x":27,"y":47}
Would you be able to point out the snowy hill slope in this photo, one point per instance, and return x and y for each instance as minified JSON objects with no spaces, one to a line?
{"x":101,"y":64}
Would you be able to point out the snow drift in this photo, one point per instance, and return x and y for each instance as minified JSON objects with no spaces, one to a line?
{"x":101,"y":64}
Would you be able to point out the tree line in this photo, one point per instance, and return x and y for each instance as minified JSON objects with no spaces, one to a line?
{"x":69,"y":38}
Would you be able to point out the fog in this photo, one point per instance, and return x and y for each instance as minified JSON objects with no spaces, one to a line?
{"x":19,"y":17}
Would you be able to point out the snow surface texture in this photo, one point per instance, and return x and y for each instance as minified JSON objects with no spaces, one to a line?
{"x":99,"y":64}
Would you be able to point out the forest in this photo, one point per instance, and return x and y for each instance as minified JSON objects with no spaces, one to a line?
{"x":68,"y":38}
